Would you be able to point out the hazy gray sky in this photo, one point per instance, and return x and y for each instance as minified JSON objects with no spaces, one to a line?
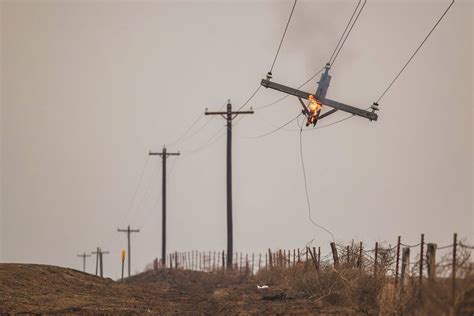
{"x":89,"y":87}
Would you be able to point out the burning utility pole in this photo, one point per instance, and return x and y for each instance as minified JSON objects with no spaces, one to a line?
{"x":318,"y":100}
{"x":128,"y":231}
{"x":229,"y":115}
{"x":164,"y":155}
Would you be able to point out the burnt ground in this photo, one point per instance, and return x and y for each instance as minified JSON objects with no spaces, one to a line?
{"x":30,"y":288}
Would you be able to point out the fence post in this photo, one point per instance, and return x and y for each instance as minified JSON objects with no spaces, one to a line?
{"x":246,"y":264}
{"x":259,"y":261}
{"x":299,"y":256}
{"x":284,"y":258}
{"x":252,"y":262}
{"x":334,"y":255}
{"x":431,"y":261}
{"x":422,"y":243}
{"x":405,"y":267}
{"x":176,"y":260}
{"x":294,"y":257}
{"x":313,"y":258}
{"x":376,"y":256}
{"x":398,"y":260}
{"x":453,"y":294}
{"x":319,"y":258}
{"x":223,"y":261}
{"x":359,"y":260}
{"x":270,"y":261}
{"x":348,"y":256}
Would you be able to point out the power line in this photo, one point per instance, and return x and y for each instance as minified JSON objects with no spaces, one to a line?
{"x":306,"y":188}
{"x":248,"y":100}
{"x":345,"y":30}
{"x":278,"y":128}
{"x":142,"y":173}
{"x":282,"y":38}
{"x":350,"y":30}
{"x":187,"y":131}
{"x":416,"y":51}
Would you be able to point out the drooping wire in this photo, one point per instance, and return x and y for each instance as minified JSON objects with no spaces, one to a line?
{"x":345,"y":30}
{"x":187,"y":131}
{"x":134,"y":196}
{"x":276,"y":129}
{"x":349,"y":32}
{"x":415,"y":52}
{"x":248,"y":100}
{"x":283,"y":36}
{"x":306,"y":188}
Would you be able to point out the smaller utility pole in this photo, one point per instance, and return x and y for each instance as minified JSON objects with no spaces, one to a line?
{"x":96,"y":253}
{"x":84,"y":256}
{"x":98,"y":261}
{"x":164,"y":155}
{"x":102,"y":262}
{"x":128,"y":231}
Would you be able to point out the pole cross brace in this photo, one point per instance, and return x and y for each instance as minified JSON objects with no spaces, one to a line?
{"x":328,"y":102}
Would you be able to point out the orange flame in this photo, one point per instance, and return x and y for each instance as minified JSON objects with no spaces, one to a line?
{"x":314,"y":107}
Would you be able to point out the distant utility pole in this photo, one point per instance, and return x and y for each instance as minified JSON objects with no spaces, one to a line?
{"x":229,"y":115}
{"x":164,"y":155}
{"x":128,"y":231}
{"x":84,"y":256}
{"x":99,"y":261}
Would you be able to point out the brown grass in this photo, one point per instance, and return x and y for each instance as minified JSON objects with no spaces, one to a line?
{"x":362,"y":290}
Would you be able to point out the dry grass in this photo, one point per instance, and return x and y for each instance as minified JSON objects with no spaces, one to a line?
{"x":362,"y":290}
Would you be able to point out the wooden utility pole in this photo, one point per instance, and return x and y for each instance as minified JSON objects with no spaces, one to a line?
{"x":84,"y":256}
{"x":96,"y":253}
{"x":128,"y":231}
{"x":164,"y":155}
{"x":99,"y":262}
{"x":229,"y":115}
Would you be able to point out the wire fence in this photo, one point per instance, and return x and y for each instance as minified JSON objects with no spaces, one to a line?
{"x":392,"y":261}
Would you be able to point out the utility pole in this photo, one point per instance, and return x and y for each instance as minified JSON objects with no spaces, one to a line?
{"x":96,"y":253}
{"x":84,"y":256}
{"x":313,"y":110}
{"x":164,"y":155}
{"x":99,"y":261}
{"x":128,"y":231}
{"x":229,"y":115}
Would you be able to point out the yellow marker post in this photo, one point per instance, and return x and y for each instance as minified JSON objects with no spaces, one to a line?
{"x":123,"y":261}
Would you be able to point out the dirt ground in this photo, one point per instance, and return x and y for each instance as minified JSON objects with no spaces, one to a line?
{"x":29,"y":288}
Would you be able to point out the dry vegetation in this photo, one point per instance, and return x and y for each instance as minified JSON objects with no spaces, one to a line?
{"x":360,"y":289}
{"x":295,"y":287}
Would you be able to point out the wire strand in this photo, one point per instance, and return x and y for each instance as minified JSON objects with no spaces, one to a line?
{"x":348,"y":33}
{"x":276,"y":129}
{"x":345,"y":30}
{"x":248,"y":100}
{"x":283,"y":36}
{"x":416,"y":51}
{"x":187,"y":131}
{"x":306,"y":188}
